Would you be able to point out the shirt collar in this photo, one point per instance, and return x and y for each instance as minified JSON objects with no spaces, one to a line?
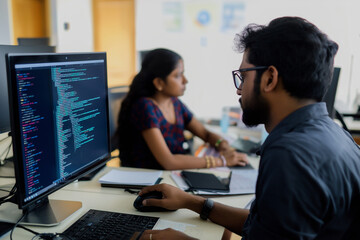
{"x":312,"y":111}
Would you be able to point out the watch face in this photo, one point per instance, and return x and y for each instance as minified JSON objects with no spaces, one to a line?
{"x":208,"y":205}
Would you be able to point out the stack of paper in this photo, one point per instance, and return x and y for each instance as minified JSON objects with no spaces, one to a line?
{"x":130,"y":179}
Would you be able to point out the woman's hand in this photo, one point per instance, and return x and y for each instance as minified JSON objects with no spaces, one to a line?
{"x":164,"y":235}
{"x":234,"y":158}
{"x":223,"y":145}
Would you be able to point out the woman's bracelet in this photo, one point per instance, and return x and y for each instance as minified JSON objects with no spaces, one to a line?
{"x":213,"y":163}
{"x":223,"y":160}
{"x":217,"y":143}
{"x":207,"y":159}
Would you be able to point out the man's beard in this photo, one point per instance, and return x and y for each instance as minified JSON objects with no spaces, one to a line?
{"x":257,"y":109}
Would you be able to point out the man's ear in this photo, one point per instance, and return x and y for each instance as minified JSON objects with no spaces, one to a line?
{"x":270,"y":79}
{"x":158,"y":83}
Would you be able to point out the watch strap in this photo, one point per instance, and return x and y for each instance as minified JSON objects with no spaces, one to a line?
{"x":206,"y":209}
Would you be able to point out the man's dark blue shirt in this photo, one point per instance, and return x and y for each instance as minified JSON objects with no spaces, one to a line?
{"x":309,"y":181}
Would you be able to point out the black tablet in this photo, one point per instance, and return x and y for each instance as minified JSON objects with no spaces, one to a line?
{"x":204,"y":181}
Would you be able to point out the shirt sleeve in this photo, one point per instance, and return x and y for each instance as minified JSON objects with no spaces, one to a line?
{"x":186,"y":113}
{"x":290,"y":200}
{"x":144,"y":115}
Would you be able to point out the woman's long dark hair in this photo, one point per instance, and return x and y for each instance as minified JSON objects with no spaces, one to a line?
{"x":156,"y":63}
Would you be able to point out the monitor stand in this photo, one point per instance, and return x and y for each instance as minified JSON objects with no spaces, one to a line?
{"x":91,"y":175}
{"x":51,"y":213}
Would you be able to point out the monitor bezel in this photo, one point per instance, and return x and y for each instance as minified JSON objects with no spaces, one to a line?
{"x":13,"y":59}
{"x":5,"y":49}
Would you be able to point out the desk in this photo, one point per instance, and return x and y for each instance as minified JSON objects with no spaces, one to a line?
{"x":92,"y":195}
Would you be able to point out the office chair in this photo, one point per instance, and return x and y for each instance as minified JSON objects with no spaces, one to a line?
{"x":355,"y":133}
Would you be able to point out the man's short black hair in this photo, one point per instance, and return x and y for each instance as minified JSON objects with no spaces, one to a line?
{"x":302,"y":54}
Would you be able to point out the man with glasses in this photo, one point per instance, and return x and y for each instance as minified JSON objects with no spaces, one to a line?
{"x":308,"y":185}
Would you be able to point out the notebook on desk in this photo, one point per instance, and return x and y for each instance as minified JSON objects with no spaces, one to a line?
{"x":130,"y":179}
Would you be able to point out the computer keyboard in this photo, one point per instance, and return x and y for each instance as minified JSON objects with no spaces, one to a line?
{"x":102,"y":225}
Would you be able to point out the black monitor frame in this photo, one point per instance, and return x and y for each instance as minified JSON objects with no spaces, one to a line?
{"x":330,"y":95}
{"x":41,"y":211}
{"x":4,"y":103}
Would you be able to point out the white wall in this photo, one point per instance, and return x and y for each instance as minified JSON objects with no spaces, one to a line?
{"x":78,"y":15}
{"x":208,"y":49}
{"x":5,"y":38}
{"x":5,"y":22}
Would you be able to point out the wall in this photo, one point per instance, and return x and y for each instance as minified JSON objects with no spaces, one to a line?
{"x":206,"y":44}
{"x":72,"y":25}
{"x":5,"y":22}
{"x":5,"y":38}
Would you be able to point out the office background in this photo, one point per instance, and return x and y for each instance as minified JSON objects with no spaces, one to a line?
{"x":202,"y":31}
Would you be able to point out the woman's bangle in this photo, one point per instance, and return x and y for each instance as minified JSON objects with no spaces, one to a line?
{"x":207,"y":159}
{"x":217,"y":143}
{"x":213,"y":163}
{"x":223,"y":160}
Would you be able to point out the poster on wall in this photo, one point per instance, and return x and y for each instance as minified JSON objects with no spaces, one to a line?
{"x":233,"y":17}
{"x":172,"y":16}
{"x":203,"y":16}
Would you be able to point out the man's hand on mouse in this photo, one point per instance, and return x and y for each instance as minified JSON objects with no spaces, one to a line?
{"x":173,"y":198}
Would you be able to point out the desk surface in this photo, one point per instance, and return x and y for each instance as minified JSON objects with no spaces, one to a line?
{"x":92,"y":195}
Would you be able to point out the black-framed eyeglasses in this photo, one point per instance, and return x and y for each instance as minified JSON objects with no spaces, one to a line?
{"x":238,"y":79}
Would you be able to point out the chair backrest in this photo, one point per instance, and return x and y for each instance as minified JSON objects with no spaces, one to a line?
{"x":116,"y":95}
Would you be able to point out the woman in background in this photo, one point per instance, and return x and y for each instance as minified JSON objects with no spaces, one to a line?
{"x":152,"y":120}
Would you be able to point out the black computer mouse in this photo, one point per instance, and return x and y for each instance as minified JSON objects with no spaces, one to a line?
{"x":151,"y":195}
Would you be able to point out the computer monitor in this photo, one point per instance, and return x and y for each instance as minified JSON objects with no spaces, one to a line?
{"x":42,"y":41}
{"x":330,"y":95}
{"x":59,"y":121}
{"x":116,"y":95}
{"x":140,"y":58}
{"x":4,"y":101}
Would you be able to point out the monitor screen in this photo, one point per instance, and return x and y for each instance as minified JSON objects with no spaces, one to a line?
{"x":59,"y":116}
{"x":4,"y":102}
{"x":330,"y":95}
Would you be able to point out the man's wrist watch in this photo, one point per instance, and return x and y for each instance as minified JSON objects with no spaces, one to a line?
{"x":207,"y":207}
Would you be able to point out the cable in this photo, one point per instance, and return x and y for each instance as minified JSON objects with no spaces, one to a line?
{"x":7,"y":176}
{"x":10,"y":196}
{"x":27,"y":229}
{"x":4,"y":138}
{"x":7,"y":151}
{"x":51,"y":236}
{"x":17,"y":223}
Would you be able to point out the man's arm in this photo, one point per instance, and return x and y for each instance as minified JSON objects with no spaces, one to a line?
{"x":175,"y":198}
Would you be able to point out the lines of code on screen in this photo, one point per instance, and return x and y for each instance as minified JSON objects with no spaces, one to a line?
{"x":63,"y":120}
